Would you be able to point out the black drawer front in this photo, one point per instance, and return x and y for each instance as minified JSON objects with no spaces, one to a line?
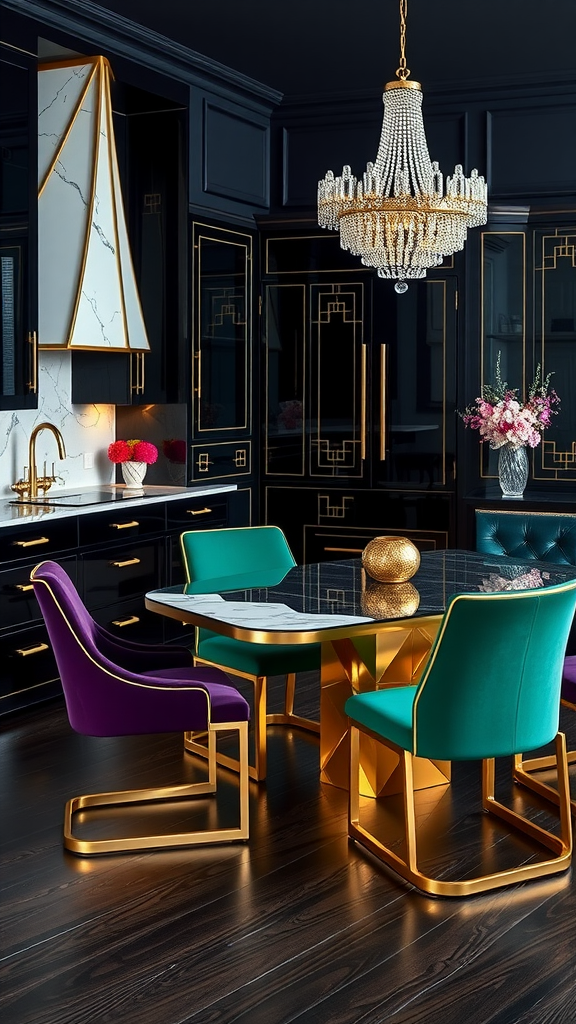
{"x":37,"y":541}
{"x":119,"y":574}
{"x":27,"y":664}
{"x":122,"y":523}
{"x":18,"y":604}
{"x":131,"y":620}
{"x":197,"y":513}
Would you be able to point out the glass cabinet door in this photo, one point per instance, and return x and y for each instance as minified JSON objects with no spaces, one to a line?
{"x":555,"y":347}
{"x":222,"y":314}
{"x":503,"y":318}
{"x":18,"y":233}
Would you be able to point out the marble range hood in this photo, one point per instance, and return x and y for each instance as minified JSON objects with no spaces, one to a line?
{"x":88,"y":297}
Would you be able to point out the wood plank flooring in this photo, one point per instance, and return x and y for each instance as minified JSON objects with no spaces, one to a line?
{"x":297,"y":925}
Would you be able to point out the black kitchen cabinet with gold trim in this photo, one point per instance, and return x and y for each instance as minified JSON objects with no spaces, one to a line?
{"x":359,"y":398}
{"x":18,"y":217}
{"x":523,"y":309}
{"x":225,"y":374}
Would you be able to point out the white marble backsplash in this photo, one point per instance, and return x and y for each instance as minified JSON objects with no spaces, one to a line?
{"x":86,"y":429}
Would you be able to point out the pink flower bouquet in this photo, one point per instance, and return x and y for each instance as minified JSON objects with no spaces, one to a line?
{"x":501,"y":418}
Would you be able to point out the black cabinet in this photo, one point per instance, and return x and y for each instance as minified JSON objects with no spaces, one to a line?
{"x":359,"y":399}
{"x":18,"y":229}
{"x":523,"y":312}
{"x":224,"y":374}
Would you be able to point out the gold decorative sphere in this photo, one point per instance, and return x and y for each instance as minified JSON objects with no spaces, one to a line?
{"x":391,"y":559}
{"x":390,"y":600}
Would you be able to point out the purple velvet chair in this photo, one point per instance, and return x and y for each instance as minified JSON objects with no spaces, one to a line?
{"x":126,"y":689}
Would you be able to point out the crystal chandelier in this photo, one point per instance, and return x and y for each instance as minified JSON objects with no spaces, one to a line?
{"x":399,"y":218}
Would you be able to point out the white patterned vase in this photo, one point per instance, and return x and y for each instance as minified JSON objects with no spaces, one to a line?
{"x":134,"y":473}
{"x":512,"y":471}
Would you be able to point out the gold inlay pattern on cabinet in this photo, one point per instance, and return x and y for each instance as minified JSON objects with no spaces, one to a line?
{"x":327,"y":510}
{"x":555,"y":348}
{"x":217,"y":306}
{"x":333,"y":306}
{"x":229,"y":460}
{"x":277,"y":439}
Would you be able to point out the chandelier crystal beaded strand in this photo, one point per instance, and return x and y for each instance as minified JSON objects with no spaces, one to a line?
{"x":398,"y":218}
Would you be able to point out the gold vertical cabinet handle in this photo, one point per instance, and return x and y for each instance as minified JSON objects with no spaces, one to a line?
{"x":126,"y":622}
{"x":363,"y":406}
{"x":383,"y":390}
{"x":30,"y":543}
{"x":142,"y":372}
{"x":23,"y":586}
{"x":198,"y":511}
{"x":124,"y":526}
{"x":24,"y":652}
{"x":128,"y":561}
{"x":198,"y":389}
{"x":137,"y":373}
{"x":32,"y":384}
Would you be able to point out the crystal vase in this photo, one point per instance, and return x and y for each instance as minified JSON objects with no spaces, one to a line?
{"x":512,"y":471}
{"x":133,"y":474}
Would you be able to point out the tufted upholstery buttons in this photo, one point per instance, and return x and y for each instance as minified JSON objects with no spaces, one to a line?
{"x":545,"y":536}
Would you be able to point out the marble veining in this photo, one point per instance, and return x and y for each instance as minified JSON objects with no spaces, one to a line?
{"x":85,"y":428}
{"x":254,"y":614}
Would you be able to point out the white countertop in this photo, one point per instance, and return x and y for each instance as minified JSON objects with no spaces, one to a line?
{"x":12,"y":515}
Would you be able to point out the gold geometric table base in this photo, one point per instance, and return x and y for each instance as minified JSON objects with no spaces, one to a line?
{"x":395,"y":656}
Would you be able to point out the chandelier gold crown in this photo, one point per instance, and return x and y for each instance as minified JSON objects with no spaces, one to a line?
{"x":400,"y":218}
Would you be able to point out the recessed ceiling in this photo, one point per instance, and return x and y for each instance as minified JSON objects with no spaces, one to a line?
{"x":306,"y":47}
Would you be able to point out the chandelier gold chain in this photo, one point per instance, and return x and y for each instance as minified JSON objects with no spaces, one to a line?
{"x":402,"y":216}
{"x":402,"y":71}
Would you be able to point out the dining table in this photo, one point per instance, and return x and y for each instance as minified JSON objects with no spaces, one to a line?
{"x":372,"y":634}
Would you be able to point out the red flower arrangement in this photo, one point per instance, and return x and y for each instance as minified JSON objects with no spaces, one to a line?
{"x":132,"y":451}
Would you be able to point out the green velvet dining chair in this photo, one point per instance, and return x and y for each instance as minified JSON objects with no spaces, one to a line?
{"x":481,"y":696}
{"x":548,"y":537}
{"x":243,"y":558}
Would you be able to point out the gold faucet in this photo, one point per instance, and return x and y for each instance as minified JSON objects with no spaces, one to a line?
{"x":29,"y":485}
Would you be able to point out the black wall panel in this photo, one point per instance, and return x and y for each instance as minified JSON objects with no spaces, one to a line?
{"x":235,"y":155}
{"x":532,"y":150}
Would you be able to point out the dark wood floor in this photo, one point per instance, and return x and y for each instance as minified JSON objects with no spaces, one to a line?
{"x":298,"y":925}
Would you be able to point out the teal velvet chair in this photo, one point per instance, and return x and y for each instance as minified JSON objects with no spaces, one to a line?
{"x":242,"y":558}
{"x":548,"y":537}
{"x":481,"y":696}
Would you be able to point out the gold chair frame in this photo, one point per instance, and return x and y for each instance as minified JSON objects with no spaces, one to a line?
{"x":150,"y":797}
{"x":523,"y":770}
{"x":408,"y":867}
{"x":193,"y":741}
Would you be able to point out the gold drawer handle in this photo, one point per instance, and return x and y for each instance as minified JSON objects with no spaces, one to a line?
{"x":23,"y":586}
{"x":126,"y":622}
{"x":124,"y":526}
{"x":129,"y":561}
{"x":198,"y":512}
{"x":30,"y":543}
{"x":25,"y":651}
